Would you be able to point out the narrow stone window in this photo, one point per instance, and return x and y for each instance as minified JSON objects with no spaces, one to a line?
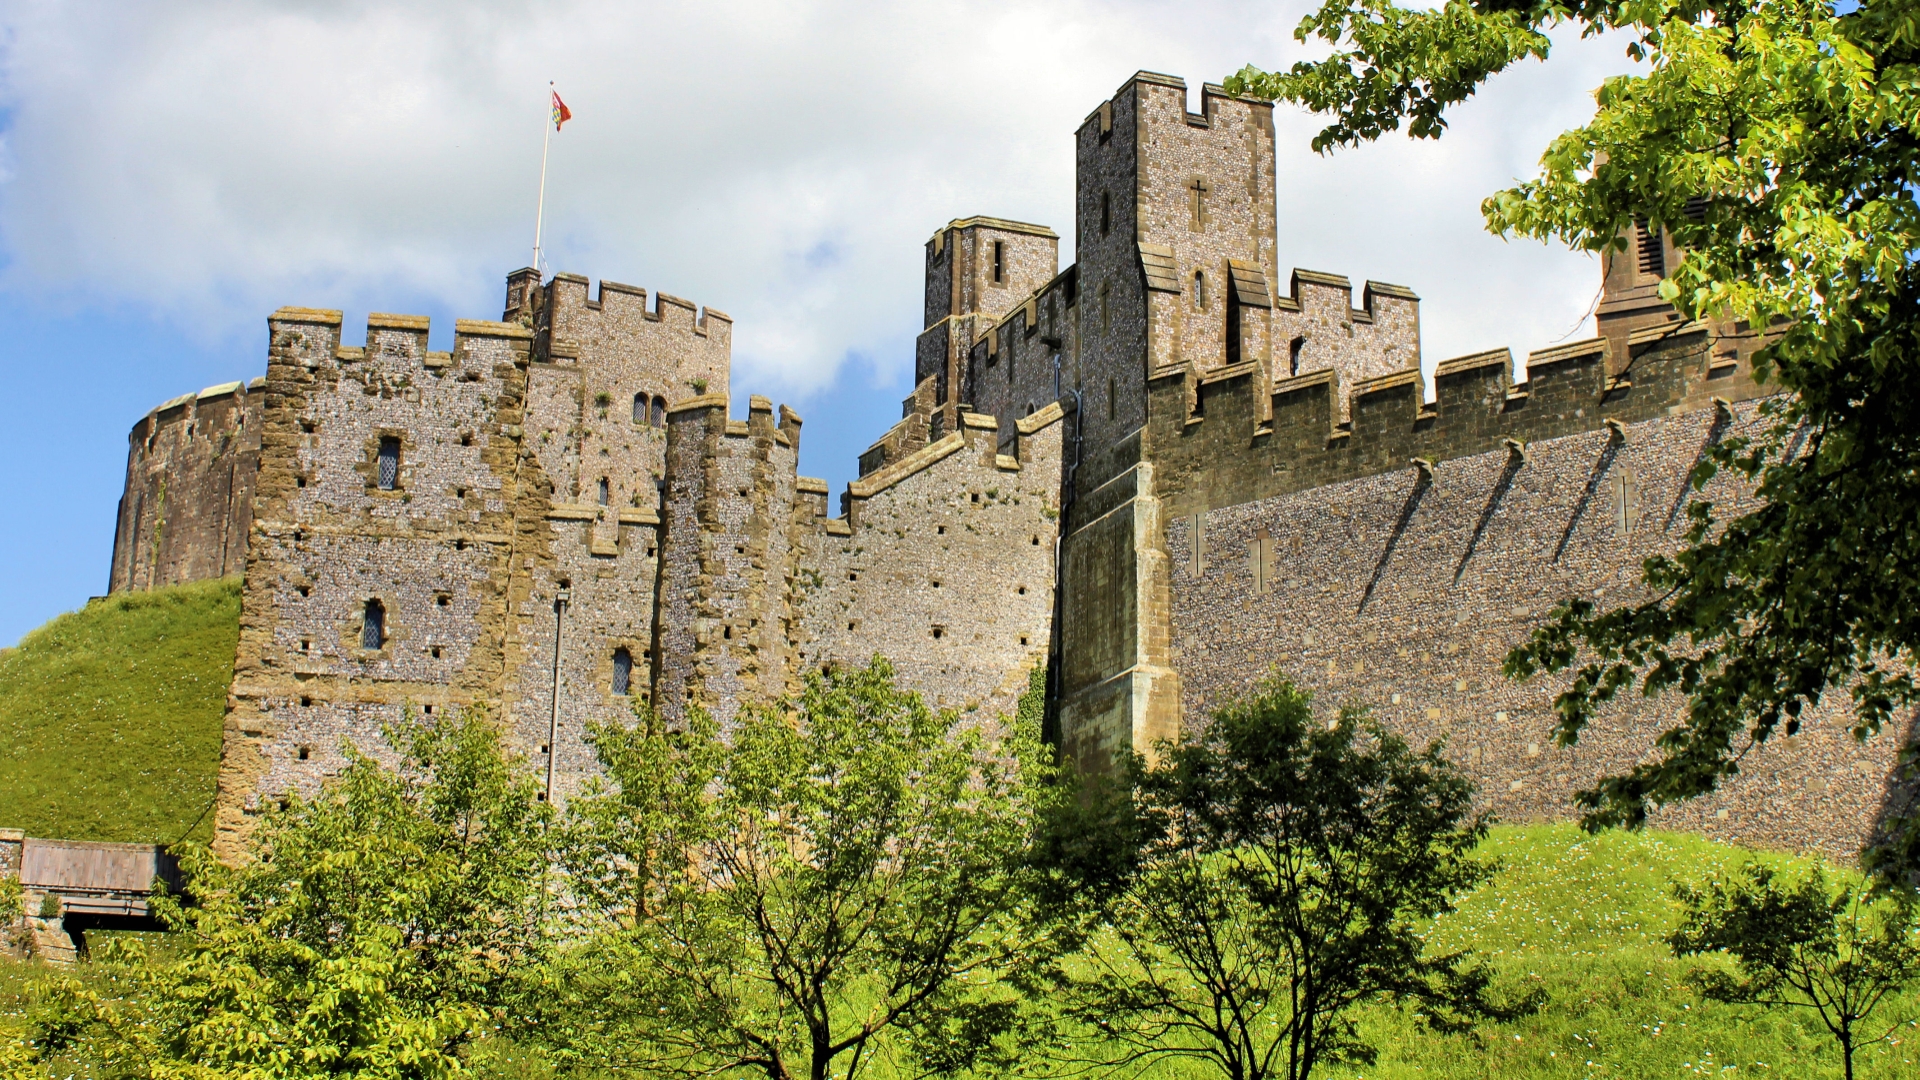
{"x":1113,"y":398}
{"x":1106,"y":213}
{"x":1106,"y":317}
{"x":1294,"y":348}
{"x":639,"y":408}
{"x":1623,"y":501}
{"x":622,"y":671}
{"x":373,"y":625}
{"x":606,"y":491}
{"x":1653,"y":255}
{"x":660,"y":492}
{"x":1200,"y":290}
{"x":999,"y":263}
{"x":660,"y":411}
{"x":1233,"y":322}
{"x":1197,"y":544}
{"x":389,"y":463}
{"x":1260,"y":564}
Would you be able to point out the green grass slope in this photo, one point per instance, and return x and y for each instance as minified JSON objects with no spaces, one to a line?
{"x":1584,"y":917}
{"x":110,"y":716}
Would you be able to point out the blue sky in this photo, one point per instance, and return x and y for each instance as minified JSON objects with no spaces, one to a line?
{"x":171,"y":173}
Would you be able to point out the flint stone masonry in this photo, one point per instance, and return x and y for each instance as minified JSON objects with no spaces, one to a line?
{"x":1162,"y":472}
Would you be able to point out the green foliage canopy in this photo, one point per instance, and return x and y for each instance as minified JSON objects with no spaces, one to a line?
{"x":1777,"y":142}
{"x":1257,"y":885}
{"x":377,"y":929}
{"x":836,"y":873}
{"x":1808,"y":944}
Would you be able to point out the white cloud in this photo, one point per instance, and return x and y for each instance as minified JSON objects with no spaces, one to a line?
{"x":780,"y":161}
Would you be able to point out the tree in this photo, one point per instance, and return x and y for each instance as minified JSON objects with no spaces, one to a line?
{"x":1812,"y":945}
{"x":1776,"y":142}
{"x":798,"y":893}
{"x":373,"y":931}
{"x":1241,"y":897}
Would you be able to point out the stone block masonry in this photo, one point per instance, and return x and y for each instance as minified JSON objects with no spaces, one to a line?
{"x":1157,"y":471}
{"x":188,"y":500}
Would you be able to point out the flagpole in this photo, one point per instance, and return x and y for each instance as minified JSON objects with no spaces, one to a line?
{"x":546,"y":139}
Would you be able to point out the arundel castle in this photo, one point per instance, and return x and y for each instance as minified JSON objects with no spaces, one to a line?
{"x":1161,"y":471}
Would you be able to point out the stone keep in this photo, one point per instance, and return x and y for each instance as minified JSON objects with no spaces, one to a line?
{"x":1155,"y":471}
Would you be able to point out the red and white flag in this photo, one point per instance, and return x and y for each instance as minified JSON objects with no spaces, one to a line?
{"x":561,"y":114}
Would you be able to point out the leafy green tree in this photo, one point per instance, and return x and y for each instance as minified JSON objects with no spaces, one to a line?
{"x":1777,"y":142}
{"x":374,"y":931}
{"x":1815,"y":945}
{"x":1240,"y":898}
{"x":799,"y":894}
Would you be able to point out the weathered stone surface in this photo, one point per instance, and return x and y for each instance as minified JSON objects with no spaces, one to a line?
{"x":1164,"y":470}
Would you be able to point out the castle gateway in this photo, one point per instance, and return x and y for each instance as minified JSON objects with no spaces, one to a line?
{"x":1164,"y":470}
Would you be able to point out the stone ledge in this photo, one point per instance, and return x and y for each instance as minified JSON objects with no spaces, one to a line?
{"x":384,"y":320}
{"x":573,"y":512}
{"x":306,"y":315}
{"x":892,"y":474}
{"x":704,"y":401}
{"x":489,"y":328}
{"x":1040,"y":418}
{"x":1474,"y":362}
{"x":639,"y":516}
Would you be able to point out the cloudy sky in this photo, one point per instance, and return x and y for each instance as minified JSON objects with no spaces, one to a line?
{"x":170,"y":173}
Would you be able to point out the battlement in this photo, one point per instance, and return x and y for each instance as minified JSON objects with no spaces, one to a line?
{"x":1223,"y":442}
{"x":573,"y":294}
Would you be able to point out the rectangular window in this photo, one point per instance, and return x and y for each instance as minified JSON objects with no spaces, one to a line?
{"x":1197,"y":544}
{"x":999,"y":263}
{"x":389,"y":463}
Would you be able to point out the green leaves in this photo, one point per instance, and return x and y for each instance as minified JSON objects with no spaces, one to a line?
{"x":830,"y":876}
{"x":374,"y":932}
{"x":1278,"y":870}
{"x":1808,"y":944}
{"x":1775,"y":142}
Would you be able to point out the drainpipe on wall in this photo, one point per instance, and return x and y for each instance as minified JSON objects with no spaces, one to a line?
{"x":553,"y":720}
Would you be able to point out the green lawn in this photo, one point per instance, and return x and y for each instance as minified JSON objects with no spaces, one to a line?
{"x":1583,"y":917}
{"x":110,"y":716}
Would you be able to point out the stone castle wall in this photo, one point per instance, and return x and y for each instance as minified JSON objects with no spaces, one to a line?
{"x":945,"y":565}
{"x":1374,"y":578}
{"x":1152,"y":470}
{"x":188,"y":500}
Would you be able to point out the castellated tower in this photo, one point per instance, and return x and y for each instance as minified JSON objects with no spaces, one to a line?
{"x":1161,"y":473}
{"x":725,"y":628}
{"x":188,"y":500}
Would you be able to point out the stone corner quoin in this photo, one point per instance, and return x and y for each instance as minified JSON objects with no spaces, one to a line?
{"x":1165,"y":470}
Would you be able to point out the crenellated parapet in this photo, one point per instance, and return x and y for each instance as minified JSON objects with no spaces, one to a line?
{"x":1316,"y":326}
{"x":1243,"y":440}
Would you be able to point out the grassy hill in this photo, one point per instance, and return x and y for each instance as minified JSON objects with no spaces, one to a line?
{"x":110,"y":716}
{"x":1584,"y":917}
